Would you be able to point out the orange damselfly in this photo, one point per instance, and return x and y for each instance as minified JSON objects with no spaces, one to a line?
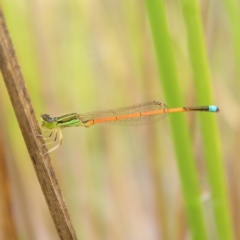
{"x":140,"y":114}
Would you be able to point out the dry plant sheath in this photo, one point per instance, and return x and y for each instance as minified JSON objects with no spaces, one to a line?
{"x":29,"y":126}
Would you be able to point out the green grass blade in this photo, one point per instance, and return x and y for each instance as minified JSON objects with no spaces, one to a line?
{"x":183,"y":148}
{"x":212,"y":148}
{"x":233,"y":10}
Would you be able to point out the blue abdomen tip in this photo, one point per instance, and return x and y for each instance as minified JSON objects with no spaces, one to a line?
{"x":213,"y":109}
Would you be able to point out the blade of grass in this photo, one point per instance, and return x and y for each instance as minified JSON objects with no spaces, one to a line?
{"x":181,"y":138}
{"x":212,"y":148}
{"x":233,"y":9}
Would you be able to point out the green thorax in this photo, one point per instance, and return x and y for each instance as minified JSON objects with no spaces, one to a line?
{"x":68,"y":120}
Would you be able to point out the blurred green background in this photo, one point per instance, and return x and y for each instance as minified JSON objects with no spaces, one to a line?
{"x":118,"y":182}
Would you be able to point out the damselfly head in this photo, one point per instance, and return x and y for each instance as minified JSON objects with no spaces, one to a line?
{"x":47,"y":121}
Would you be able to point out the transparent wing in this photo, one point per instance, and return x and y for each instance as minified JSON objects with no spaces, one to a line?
{"x":125,"y":111}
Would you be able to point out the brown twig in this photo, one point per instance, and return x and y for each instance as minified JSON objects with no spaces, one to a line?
{"x":29,"y":126}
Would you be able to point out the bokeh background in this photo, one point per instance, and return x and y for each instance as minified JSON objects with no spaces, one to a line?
{"x":118,"y":182}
